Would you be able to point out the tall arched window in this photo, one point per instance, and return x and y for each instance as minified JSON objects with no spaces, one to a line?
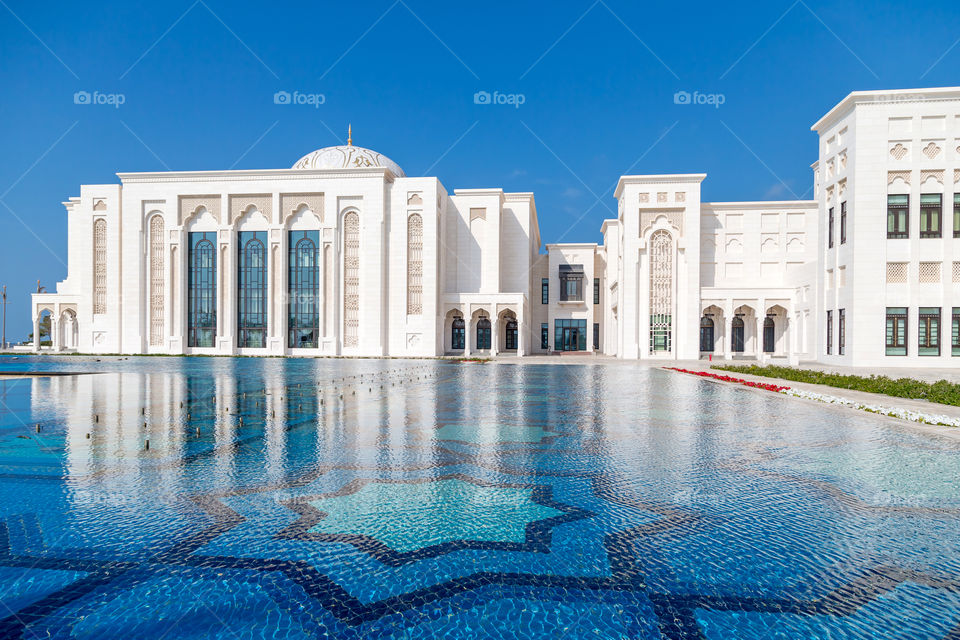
{"x":736,"y":340}
{"x":769,"y":335}
{"x":510,"y":339}
{"x":202,"y":290}
{"x":414,"y":265}
{"x":156,"y":280}
{"x":351,"y":279}
{"x":661,"y":292}
{"x":304,"y":307}
{"x":483,"y":333}
{"x":100,"y":266}
{"x":458,"y":335}
{"x":252,"y":290}
{"x":706,"y":334}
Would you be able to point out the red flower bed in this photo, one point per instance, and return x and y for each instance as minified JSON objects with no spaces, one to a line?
{"x":716,"y":376}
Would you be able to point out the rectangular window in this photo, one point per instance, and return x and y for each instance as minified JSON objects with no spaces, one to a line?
{"x":570,"y":335}
{"x":898,"y":216}
{"x":596,"y":335}
{"x":928,"y":331}
{"x":896,"y":331}
{"x":956,"y":215}
{"x":829,"y":332}
{"x":830,"y":228}
{"x":545,"y":291}
{"x":931,"y":214}
{"x":955,"y":332}
{"x":843,"y":222}
{"x":544,"y":336}
{"x":571,"y":283}
{"x":596,"y":291}
{"x":842,"y":332}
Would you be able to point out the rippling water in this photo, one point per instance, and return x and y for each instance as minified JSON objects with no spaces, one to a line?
{"x":424,"y":499}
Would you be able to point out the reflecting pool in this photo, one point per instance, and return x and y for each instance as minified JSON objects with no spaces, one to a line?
{"x":285,"y":498}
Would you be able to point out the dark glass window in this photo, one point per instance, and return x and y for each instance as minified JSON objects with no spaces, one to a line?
{"x":829,"y":332}
{"x":928,"y":331}
{"x":202,"y":287}
{"x":830,"y":228}
{"x":570,"y":335}
{"x":931,"y":215}
{"x":596,"y":335}
{"x":956,"y":215}
{"x":898,"y":216}
{"x":736,"y":337}
{"x":596,"y":291}
{"x":483,"y":333}
{"x":896,"y":331}
{"x":458,"y":332}
{"x":571,"y":283}
{"x":769,"y":335}
{"x":510,"y":340}
{"x":544,"y":335}
{"x":842,"y":332}
{"x":843,"y":222}
{"x":545,"y":291}
{"x":706,"y":334}
{"x":303,"y":328}
{"x":252,"y":289}
{"x":955,"y":332}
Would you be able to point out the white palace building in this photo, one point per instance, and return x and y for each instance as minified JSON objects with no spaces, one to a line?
{"x":345,"y":255}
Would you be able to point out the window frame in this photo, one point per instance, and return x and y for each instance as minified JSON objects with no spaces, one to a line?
{"x":928,"y":331}
{"x":897,"y":211}
{"x":841,"y":332}
{"x":544,"y":290}
{"x":896,"y":318}
{"x":596,"y":291}
{"x":830,"y":332}
{"x":843,"y":222}
{"x":956,"y":215}
{"x":955,"y":331}
{"x":830,"y":228}
{"x":928,"y":209}
{"x":545,"y":336}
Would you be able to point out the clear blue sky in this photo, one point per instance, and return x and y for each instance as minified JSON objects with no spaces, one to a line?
{"x":198,"y":81}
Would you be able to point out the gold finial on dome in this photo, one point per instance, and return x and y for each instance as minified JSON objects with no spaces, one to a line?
{"x":350,"y":135}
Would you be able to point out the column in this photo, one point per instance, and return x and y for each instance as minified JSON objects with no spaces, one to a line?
{"x":36,"y":332}
{"x":495,"y":337}
{"x":759,"y":337}
{"x":522,"y":330}
{"x":727,"y":335}
{"x":54,"y":333}
{"x":468,"y":336}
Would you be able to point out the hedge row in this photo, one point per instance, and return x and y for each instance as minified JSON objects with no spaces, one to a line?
{"x":942,"y":392}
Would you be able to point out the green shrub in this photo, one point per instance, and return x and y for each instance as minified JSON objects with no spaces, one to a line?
{"x":941,"y":391}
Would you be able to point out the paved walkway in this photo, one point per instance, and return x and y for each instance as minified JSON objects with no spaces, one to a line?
{"x":857,"y":396}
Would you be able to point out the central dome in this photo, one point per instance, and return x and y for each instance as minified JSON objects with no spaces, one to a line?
{"x":347,"y":156}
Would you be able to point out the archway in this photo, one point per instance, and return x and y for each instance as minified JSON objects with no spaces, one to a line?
{"x":68,"y":329}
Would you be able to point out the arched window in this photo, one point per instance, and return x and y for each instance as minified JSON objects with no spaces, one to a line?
{"x":483,"y":333}
{"x":156,"y":280}
{"x":706,"y":334}
{"x":252,"y":290}
{"x":769,"y":335}
{"x":304,"y":289}
{"x":457,"y":335}
{"x":414,"y":265}
{"x":202,"y":290}
{"x":510,"y":341}
{"x":351,"y":279}
{"x":661,"y":292}
{"x":736,"y":340}
{"x":100,"y":266}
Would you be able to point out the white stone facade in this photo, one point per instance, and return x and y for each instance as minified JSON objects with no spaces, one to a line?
{"x":345,"y":255}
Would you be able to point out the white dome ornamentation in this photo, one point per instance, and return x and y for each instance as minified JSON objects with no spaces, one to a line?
{"x":347,"y":156}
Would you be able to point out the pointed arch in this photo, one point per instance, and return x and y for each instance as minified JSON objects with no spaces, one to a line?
{"x":351,"y":279}
{"x":99,"y":266}
{"x":414,"y":265}
{"x":156,"y":293}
